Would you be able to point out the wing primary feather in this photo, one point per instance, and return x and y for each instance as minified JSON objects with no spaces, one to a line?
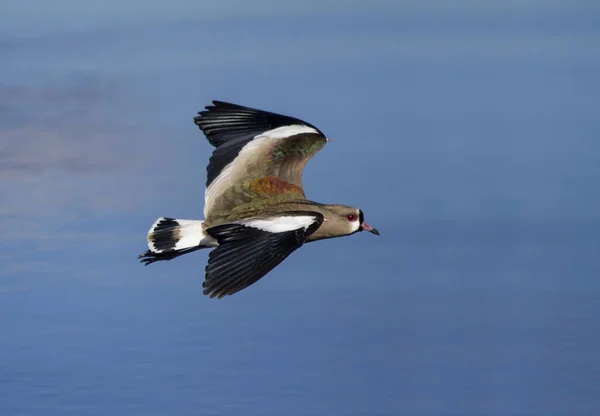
{"x":247,"y":277}
{"x":246,"y":254}
{"x":223,"y":121}
{"x":224,"y":271}
{"x":223,"y":268}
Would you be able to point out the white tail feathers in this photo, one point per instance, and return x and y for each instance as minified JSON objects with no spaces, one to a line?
{"x":169,"y":234}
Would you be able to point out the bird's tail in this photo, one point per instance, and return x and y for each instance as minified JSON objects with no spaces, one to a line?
{"x":169,"y":238}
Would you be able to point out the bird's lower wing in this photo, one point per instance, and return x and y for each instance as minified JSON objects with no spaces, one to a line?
{"x":250,"y":249}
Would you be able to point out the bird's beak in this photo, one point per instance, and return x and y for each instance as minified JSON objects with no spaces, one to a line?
{"x":367,"y":227}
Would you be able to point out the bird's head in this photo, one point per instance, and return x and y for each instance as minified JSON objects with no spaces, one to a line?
{"x":341,"y":220}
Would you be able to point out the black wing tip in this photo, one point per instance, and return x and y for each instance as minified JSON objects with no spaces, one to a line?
{"x":218,"y":108}
{"x":224,"y":122}
{"x":225,"y":105}
{"x":213,"y":292}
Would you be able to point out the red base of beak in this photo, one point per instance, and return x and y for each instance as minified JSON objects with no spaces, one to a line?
{"x":367,"y":227}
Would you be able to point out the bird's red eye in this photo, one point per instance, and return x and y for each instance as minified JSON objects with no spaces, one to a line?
{"x":351,"y":217}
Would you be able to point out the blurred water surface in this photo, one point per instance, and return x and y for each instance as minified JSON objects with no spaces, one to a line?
{"x":468,"y":135}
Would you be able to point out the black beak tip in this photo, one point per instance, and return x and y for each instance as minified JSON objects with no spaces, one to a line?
{"x":374,"y":231}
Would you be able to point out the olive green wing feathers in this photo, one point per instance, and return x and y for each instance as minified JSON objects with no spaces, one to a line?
{"x":259,"y":155}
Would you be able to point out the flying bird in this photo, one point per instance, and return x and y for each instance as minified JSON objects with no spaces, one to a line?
{"x":255,"y":210}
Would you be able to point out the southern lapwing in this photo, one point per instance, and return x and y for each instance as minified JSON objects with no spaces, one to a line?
{"x":255,"y":210}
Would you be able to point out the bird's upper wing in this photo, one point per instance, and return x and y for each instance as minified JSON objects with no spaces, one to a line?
{"x":249,"y":249}
{"x":258,"y":155}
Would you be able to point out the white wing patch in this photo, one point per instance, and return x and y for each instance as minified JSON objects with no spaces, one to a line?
{"x":286,"y":131}
{"x":281,"y":224}
{"x":232,"y":171}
